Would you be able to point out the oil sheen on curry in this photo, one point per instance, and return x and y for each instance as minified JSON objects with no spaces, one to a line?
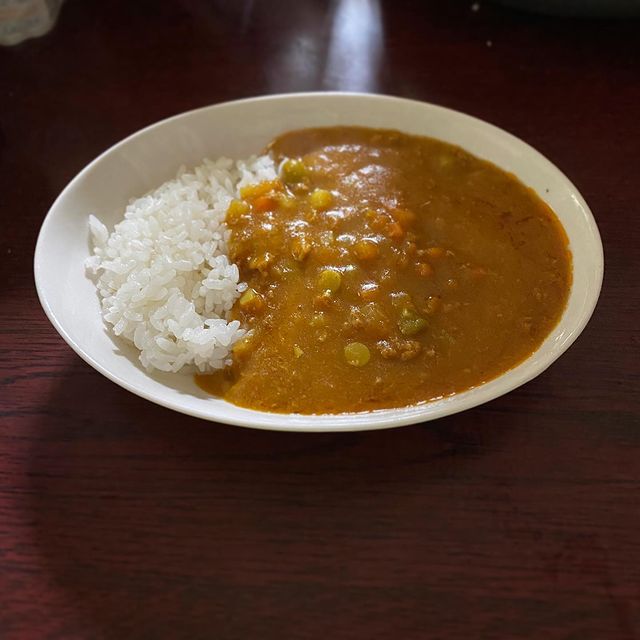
{"x":386,"y":270}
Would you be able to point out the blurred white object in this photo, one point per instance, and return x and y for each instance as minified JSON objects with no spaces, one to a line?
{"x":23,"y":19}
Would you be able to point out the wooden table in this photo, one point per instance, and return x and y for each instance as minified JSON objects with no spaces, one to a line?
{"x":120,"y":519}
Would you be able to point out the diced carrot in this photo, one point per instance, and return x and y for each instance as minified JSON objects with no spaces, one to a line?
{"x":265,"y":203}
{"x":252,"y":191}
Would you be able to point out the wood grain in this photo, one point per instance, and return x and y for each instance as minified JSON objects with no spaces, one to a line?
{"x":120,"y":519}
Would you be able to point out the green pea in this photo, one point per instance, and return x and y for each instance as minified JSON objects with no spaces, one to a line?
{"x":293,"y":171}
{"x":411,"y":325}
{"x":357,"y":354}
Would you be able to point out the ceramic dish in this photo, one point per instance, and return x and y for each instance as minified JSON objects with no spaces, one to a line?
{"x":239,"y":129}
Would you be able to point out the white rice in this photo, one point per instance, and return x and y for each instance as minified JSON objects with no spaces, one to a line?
{"x":164,"y":278}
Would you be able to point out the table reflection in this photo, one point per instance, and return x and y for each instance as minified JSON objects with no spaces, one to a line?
{"x":334,"y":46}
{"x":355,"y":46}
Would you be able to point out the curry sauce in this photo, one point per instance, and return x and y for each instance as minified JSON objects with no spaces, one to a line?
{"x":385,"y":270}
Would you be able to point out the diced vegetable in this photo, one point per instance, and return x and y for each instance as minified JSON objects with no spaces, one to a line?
{"x":261,"y":262}
{"x":435,"y":252}
{"x":366,"y":250}
{"x":321,"y":199}
{"x":242,"y":348}
{"x":377,"y":221}
{"x":357,"y":354}
{"x":326,"y":253}
{"x":267,"y":202}
{"x":329,"y":280}
{"x":252,"y":191}
{"x":410,"y":322}
{"x":411,"y":327}
{"x":286,"y":202}
{"x":369,"y":291}
{"x":300,"y":248}
{"x":297,"y":351}
{"x":294,"y":171}
{"x":251,"y":301}
{"x":424,"y":269}
{"x":237,"y":208}
{"x":404,"y":217}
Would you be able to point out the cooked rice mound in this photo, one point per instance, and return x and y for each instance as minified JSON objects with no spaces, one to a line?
{"x":163,"y":275}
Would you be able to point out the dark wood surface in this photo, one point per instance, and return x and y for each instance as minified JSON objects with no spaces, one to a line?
{"x":120,"y":519}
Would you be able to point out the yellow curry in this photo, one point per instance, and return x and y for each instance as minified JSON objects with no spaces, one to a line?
{"x":386,"y":270}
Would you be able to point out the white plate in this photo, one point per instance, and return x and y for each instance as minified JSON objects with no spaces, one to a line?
{"x":239,"y":129}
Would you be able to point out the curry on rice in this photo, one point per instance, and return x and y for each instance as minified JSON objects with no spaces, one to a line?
{"x":385,"y":270}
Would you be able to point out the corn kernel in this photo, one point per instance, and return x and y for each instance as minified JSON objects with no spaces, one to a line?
{"x":321,"y":199}
{"x":366,"y":250}
{"x":329,"y":280}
